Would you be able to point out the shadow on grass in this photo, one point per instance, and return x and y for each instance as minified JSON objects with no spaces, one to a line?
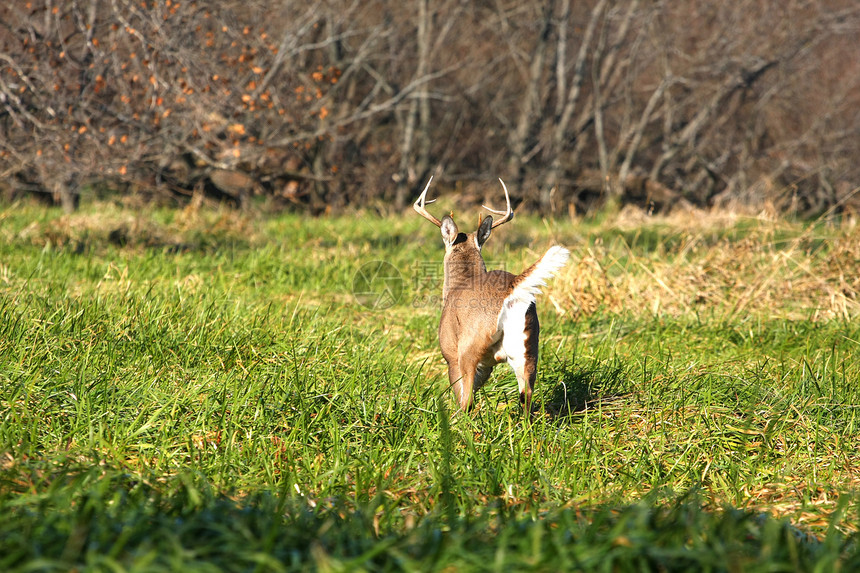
{"x":577,"y":390}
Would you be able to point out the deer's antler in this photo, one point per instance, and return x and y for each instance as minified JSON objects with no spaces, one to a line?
{"x":419,"y":206}
{"x":508,"y":214}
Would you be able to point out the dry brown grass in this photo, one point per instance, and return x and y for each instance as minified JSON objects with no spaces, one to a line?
{"x":717,"y":263}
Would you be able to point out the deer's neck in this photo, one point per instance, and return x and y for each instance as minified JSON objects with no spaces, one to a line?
{"x":462,"y":274}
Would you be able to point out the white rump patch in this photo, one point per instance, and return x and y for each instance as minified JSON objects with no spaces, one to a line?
{"x":511,"y":323}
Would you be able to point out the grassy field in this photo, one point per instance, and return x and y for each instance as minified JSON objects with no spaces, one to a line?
{"x":204,"y":391}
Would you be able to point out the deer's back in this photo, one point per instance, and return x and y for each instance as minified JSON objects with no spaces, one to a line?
{"x":471,"y":314}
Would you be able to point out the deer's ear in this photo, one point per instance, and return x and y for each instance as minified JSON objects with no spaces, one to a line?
{"x":483,"y":232}
{"x":449,"y":230}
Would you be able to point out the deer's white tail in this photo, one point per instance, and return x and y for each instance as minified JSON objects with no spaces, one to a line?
{"x":527,"y":285}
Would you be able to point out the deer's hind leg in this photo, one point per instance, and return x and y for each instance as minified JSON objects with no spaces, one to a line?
{"x":474,"y":370}
{"x":464,"y":387}
{"x":461,"y":384}
{"x":521,"y":349}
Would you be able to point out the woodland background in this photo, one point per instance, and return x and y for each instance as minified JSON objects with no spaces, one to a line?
{"x":326,"y":106}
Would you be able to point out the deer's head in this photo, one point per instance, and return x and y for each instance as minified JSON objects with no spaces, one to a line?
{"x":463,"y":261}
{"x":463,"y":250}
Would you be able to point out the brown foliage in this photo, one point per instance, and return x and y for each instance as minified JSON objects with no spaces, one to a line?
{"x":323,"y":105}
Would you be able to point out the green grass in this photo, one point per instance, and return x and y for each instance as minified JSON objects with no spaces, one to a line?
{"x":202,"y":391}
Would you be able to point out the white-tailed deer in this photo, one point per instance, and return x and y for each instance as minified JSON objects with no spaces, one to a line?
{"x":488,"y":317}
